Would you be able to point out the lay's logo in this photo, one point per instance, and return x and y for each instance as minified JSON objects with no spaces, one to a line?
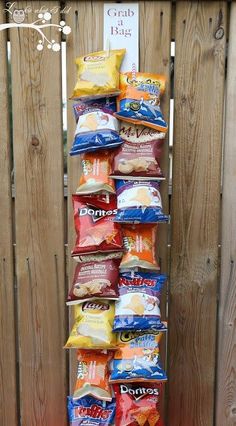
{"x":95,"y":306}
{"x":94,"y":58}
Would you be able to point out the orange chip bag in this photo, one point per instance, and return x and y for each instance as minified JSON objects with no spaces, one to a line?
{"x":96,"y":168}
{"x":139,"y":243}
{"x":93,"y":375}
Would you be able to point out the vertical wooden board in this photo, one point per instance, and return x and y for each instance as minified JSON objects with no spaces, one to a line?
{"x":86,"y":21}
{"x":38,"y":167}
{"x":8,"y":411}
{"x":199,"y":88}
{"x":226,"y":371}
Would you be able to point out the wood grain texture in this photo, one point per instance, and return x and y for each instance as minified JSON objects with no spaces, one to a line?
{"x":38,"y":166}
{"x":86,"y":21}
{"x":8,"y":411}
{"x":226,"y":371}
{"x":199,"y":88}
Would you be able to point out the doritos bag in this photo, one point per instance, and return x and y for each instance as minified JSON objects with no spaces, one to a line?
{"x":139,"y":101}
{"x":138,"y":404}
{"x":93,"y":326}
{"x":94,"y":225}
{"x":138,"y":358}
{"x":90,"y":411}
{"x":98,"y":74}
{"x":139,"y":202}
{"x":138,"y":307}
{"x":93,"y":375}
{"x":139,"y":244}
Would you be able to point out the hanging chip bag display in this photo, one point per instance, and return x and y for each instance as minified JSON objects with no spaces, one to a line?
{"x":139,"y":100}
{"x":138,"y":307}
{"x":89,"y":411}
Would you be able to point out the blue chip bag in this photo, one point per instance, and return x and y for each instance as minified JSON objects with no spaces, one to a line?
{"x":139,"y":202}
{"x":138,"y":307}
{"x":89,"y":411}
{"x":97,"y":127}
{"x":138,"y":358}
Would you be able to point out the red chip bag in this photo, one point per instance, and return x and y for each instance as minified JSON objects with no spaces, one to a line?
{"x":96,"y":231}
{"x":137,"y":405}
{"x":93,"y":280}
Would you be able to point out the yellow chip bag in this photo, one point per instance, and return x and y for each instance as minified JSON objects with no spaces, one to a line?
{"x":93,"y":326}
{"x":98,"y":74}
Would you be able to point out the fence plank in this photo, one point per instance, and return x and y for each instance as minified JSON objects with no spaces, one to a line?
{"x":199,"y":86}
{"x":38,"y":167}
{"x":226,"y":372}
{"x":86,"y":20}
{"x":8,"y":411}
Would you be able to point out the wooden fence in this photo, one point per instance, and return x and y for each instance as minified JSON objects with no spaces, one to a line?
{"x":35,"y":372}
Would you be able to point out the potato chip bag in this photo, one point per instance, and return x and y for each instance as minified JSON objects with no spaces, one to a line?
{"x":139,"y":100}
{"x":93,"y":326}
{"x":139,"y":245}
{"x":98,"y":74}
{"x":93,"y":280}
{"x":138,"y":358}
{"x":138,"y":307}
{"x":138,"y":404}
{"x":106,"y":105}
{"x":93,"y":375}
{"x":90,"y":411}
{"x":96,"y":168}
{"x":94,"y":225}
{"x":139,"y":202}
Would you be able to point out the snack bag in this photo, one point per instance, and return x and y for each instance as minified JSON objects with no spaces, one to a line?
{"x":90,"y":411}
{"x":98,"y":74}
{"x":139,"y":101}
{"x":97,"y":127}
{"x":93,"y":375}
{"x":96,"y":168}
{"x":139,"y":202}
{"x":138,"y":404}
{"x":138,"y":307}
{"x":94,"y":225}
{"x":93,"y":280}
{"x":93,"y":326}
{"x":138,"y":358}
{"x":139,"y":155}
{"x":139,"y":244}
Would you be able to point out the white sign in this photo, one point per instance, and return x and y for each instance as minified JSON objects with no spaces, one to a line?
{"x":121,"y":30}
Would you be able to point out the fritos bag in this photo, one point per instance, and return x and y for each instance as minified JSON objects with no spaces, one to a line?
{"x":96,"y":168}
{"x":94,"y":225}
{"x":138,"y":307}
{"x":138,"y":358}
{"x":138,"y":404}
{"x":93,"y":280}
{"x":139,"y":101}
{"x":93,"y":326}
{"x":139,"y":202}
{"x":90,"y":411}
{"x":93,"y":375}
{"x":139,"y":155}
{"x":98,"y":74}
{"x":139,"y":244}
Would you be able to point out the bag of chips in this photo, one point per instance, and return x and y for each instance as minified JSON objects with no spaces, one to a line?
{"x":96,"y":168}
{"x":139,"y":202}
{"x":138,"y":358}
{"x":98,"y":74}
{"x":138,"y":404}
{"x":93,"y":326}
{"x":138,"y":307}
{"x":94,"y":225}
{"x":93,"y":375}
{"x":139,"y":155}
{"x":139,"y":245}
{"x":93,"y":280}
{"x":89,"y":411}
{"x":97,"y":127}
{"x":139,"y":101}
